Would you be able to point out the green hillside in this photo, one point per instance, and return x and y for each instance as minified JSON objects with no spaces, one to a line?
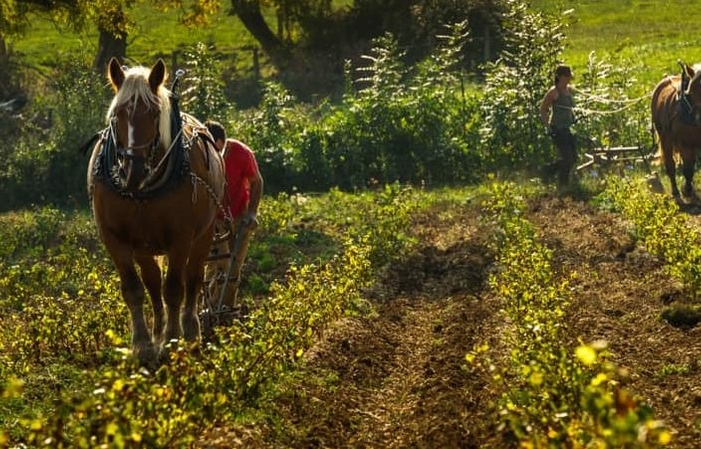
{"x":653,"y":33}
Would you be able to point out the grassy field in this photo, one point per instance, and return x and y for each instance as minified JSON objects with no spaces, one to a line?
{"x":652,"y":33}
{"x":154,"y":33}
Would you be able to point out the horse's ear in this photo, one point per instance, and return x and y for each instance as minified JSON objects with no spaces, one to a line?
{"x":157,"y":75}
{"x":115,"y":73}
{"x":689,"y":71}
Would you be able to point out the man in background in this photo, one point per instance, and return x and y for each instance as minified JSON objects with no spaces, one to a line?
{"x":244,"y":189}
{"x":557,"y":114}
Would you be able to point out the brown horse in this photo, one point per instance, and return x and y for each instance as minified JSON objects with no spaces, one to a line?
{"x":676,"y":117}
{"x":155,"y":182}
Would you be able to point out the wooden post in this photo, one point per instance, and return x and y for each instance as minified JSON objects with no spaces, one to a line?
{"x":256,"y":63}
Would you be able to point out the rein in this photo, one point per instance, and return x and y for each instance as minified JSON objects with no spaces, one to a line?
{"x":165,"y":157}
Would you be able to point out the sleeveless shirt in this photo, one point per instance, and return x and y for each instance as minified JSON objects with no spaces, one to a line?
{"x":562,"y":115}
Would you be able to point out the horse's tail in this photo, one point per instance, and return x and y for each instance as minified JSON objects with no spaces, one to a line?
{"x":83,"y":149}
{"x":660,"y":109}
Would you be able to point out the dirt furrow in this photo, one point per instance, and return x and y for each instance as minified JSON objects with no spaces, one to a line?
{"x":618,"y":294}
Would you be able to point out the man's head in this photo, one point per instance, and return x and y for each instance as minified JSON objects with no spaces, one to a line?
{"x":218,"y":132}
{"x":561,"y":71}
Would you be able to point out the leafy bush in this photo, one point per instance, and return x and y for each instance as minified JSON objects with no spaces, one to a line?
{"x":45,"y":165}
{"x":272,"y":133}
{"x":515,"y":85}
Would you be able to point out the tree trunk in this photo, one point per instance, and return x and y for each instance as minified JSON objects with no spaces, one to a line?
{"x":5,"y":71}
{"x":252,"y":18}
{"x":112,"y":40}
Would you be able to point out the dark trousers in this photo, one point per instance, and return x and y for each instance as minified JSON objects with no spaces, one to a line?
{"x":567,"y":154}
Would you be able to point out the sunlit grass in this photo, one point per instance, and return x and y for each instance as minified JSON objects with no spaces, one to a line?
{"x":653,"y":34}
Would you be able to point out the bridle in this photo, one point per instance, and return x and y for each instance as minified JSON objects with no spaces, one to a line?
{"x":690,"y":114}
{"x":133,"y":153}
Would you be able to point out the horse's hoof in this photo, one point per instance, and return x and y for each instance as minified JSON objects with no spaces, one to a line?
{"x":148,"y":356}
{"x":654,"y":183}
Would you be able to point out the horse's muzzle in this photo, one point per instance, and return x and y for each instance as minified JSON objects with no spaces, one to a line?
{"x":133,"y":169}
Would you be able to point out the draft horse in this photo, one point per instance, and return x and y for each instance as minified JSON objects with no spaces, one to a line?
{"x":676,"y":118}
{"x":155,"y":182}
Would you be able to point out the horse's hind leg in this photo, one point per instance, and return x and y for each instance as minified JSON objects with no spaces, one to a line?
{"x":670,"y":165}
{"x":151,"y":274}
{"x":193,"y":285}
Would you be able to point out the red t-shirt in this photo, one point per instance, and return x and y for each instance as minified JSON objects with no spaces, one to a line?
{"x":240,"y":165}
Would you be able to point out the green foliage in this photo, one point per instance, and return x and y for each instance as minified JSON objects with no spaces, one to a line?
{"x":401,"y":126}
{"x":46,"y":166}
{"x":194,"y":392}
{"x":612,"y":104}
{"x":417,"y":124}
{"x":59,"y":304}
{"x":673,"y":369}
{"x":272,"y":133}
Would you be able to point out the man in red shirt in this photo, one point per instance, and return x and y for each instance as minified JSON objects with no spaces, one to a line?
{"x":244,"y":189}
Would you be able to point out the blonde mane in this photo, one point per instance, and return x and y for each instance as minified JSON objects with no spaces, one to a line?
{"x":136,"y":87}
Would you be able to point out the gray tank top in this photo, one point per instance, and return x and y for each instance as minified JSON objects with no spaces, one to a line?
{"x":562,"y":114}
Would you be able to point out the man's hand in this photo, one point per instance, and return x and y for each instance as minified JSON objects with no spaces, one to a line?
{"x":249,"y":220}
{"x":548,"y":131}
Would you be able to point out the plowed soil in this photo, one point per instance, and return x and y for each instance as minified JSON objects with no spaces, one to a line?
{"x":396,"y":379}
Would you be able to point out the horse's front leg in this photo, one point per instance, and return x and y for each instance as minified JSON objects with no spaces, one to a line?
{"x":151,"y":274}
{"x":133,"y":293}
{"x":689,"y":166}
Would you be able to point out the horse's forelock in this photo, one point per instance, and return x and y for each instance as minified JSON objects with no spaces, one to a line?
{"x":134,"y":87}
{"x":164,"y":123}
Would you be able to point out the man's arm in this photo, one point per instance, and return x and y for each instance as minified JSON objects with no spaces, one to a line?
{"x":256,"y":193}
{"x":546,"y":105}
